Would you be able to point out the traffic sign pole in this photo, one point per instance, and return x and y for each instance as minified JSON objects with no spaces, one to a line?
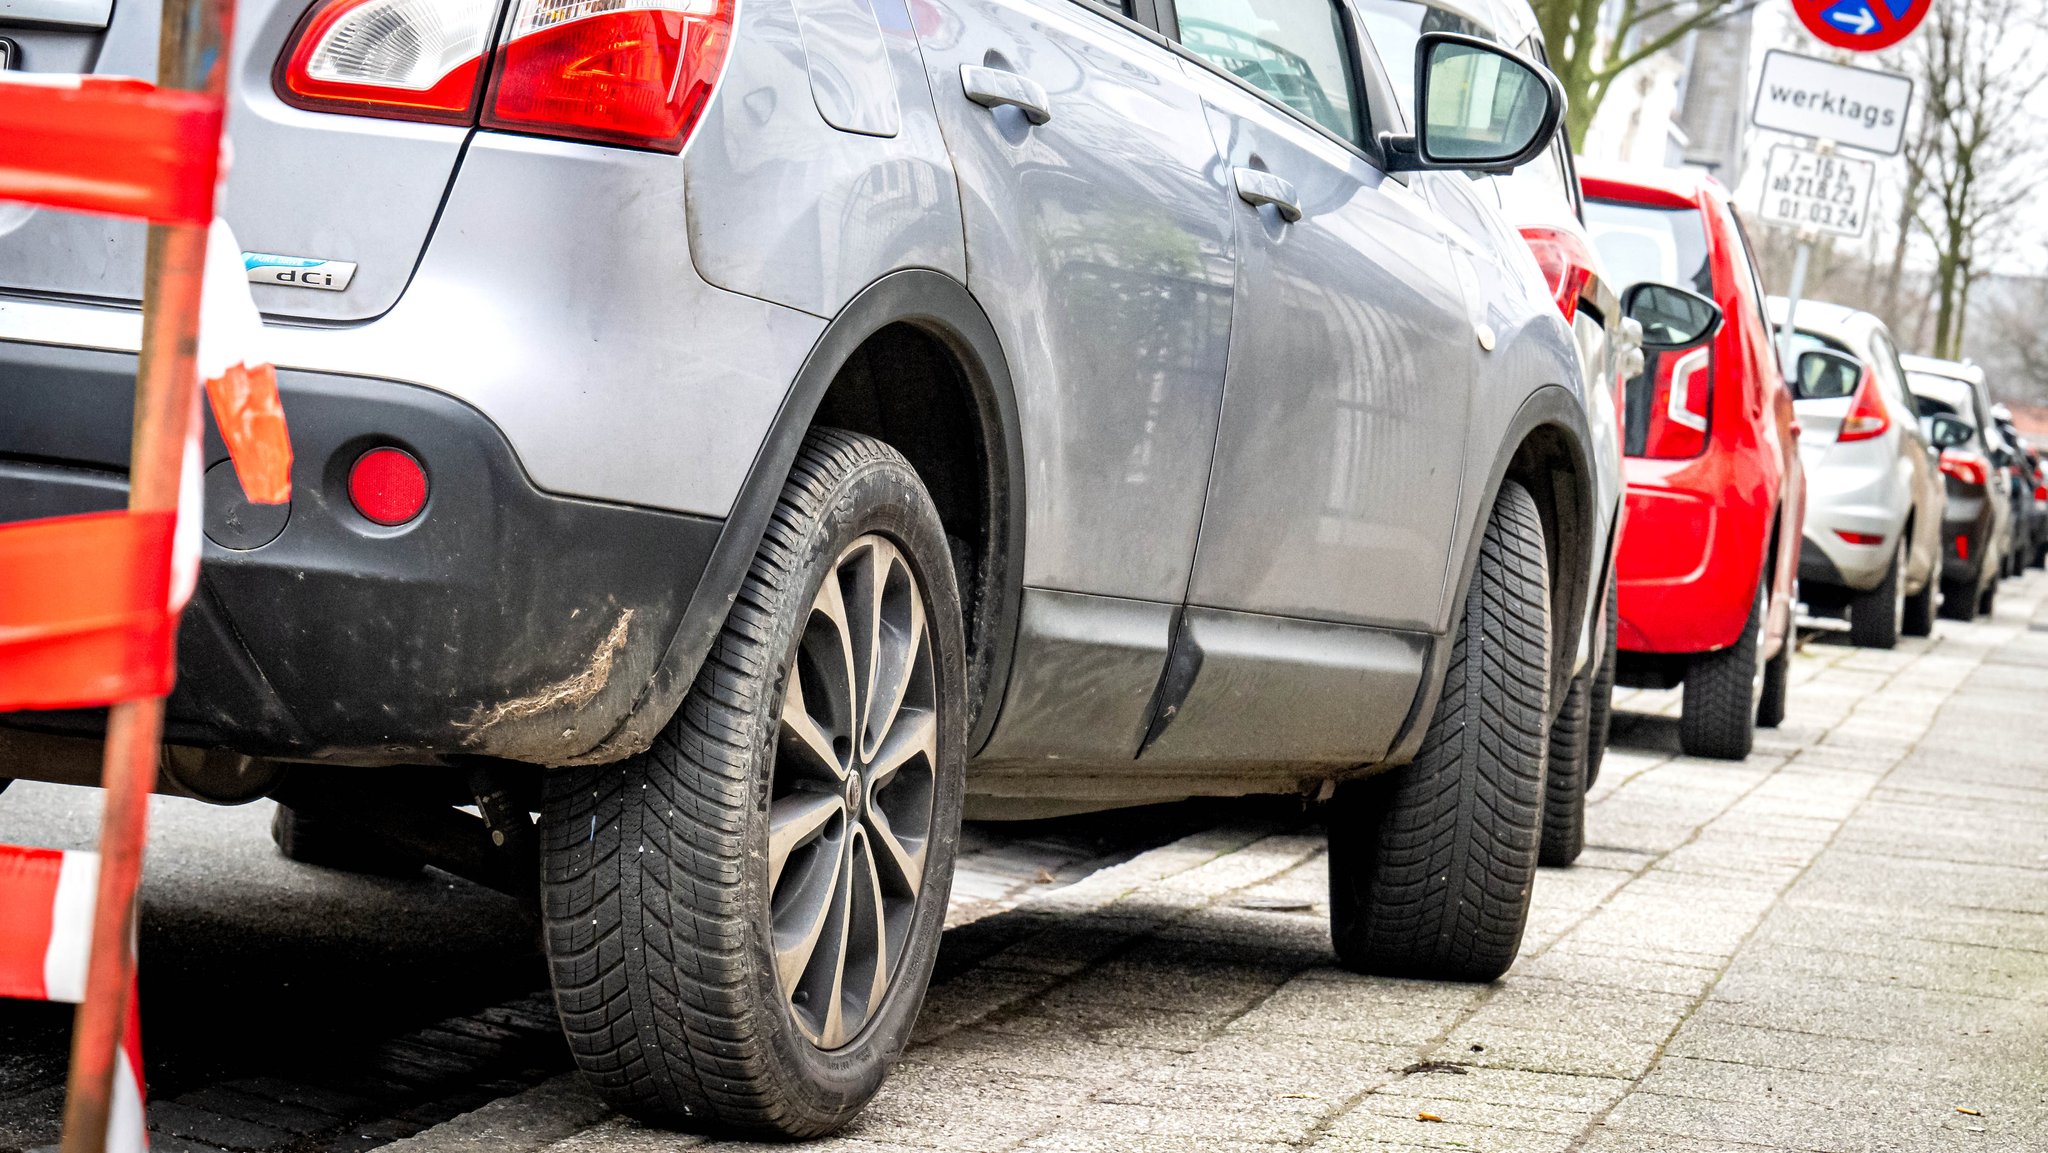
{"x":1799,"y":263}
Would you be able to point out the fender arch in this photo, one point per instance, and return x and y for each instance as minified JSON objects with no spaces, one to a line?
{"x":942,"y":308}
{"x":1552,"y":418}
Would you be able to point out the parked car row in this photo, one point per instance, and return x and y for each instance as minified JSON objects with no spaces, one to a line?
{"x":749,"y":437}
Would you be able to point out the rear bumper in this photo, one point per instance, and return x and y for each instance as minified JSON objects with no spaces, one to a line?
{"x":1690,"y":561}
{"x":503,"y":620}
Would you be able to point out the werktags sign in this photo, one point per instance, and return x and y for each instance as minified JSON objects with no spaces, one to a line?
{"x":1860,"y":107}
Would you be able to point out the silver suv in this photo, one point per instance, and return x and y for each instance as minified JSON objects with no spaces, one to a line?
{"x":749,"y":435}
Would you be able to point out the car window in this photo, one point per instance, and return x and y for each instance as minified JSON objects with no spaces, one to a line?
{"x":1657,"y":245}
{"x":1394,"y":26}
{"x":1927,"y":388}
{"x":1294,"y":51}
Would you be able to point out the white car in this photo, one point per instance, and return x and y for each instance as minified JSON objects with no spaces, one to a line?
{"x":1874,"y":491}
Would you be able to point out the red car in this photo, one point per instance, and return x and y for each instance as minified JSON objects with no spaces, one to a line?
{"x":1715,"y":493}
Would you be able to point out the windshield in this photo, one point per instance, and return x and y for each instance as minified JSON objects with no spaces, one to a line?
{"x":1655,"y":245}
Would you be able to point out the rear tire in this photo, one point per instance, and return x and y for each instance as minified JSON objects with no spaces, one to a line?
{"x":1919,"y":620}
{"x":741,"y":921}
{"x":1600,"y":724}
{"x":1719,"y":717}
{"x":1875,"y":617}
{"x":1987,"y":601}
{"x":1958,"y":602}
{"x":1564,"y":778}
{"x":1431,"y":864}
{"x":1770,"y":703}
{"x":328,"y":844}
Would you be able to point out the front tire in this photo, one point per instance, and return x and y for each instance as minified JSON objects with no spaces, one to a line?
{"x":1958,"y":601}
{"x":1431,"y":864}
{"x":1719,"y":717}
{"x":1876,"y":617}
{"x":741,"y":921}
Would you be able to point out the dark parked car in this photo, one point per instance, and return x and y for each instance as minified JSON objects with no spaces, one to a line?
{"x":1977,"y":528}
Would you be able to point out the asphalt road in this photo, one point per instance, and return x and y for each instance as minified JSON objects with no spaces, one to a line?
{"x":1830,"y":947}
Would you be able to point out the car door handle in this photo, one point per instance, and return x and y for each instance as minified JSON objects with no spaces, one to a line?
{"x":1255,"y":188}
{"x":995,"y":88}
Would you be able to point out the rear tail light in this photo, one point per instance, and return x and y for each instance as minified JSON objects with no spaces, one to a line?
{"x":1967,"y":467}
{"x":403,"y":59}
{"x":1865,"y":538}
{"x":2041,"y":492}
{"x":1567,"y":264}
{"x":1962,"y":548}
{"x":1867,"y":416}
{"x":632,"y":72}
{"x":1669,"y":405}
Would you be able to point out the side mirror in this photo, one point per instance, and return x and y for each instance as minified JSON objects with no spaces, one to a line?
{"x":1482,"y":108}
{"x":1825,"y":375}
{"x":1671,"y":317}
{"x":1945,"y":431}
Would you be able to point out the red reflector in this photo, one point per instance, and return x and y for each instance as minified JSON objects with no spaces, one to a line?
{"x":2041,"y":492}
{"x":387,"y":486}
{"x":634,"y":73}
{"x":1860,"y":537}
{"x":1962,"y":548}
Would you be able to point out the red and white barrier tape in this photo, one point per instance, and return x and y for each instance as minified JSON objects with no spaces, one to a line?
{"x":46,"y":907}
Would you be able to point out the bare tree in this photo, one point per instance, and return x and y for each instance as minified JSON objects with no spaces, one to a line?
{"x":1978,"y":65}
{"x":1587,"y":57}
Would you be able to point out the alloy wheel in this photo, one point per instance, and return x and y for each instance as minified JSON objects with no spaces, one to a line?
{"x":851,"y":805}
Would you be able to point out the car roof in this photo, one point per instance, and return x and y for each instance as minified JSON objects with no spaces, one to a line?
{"x":1952,"y":369}
{"x":1632,"y":181}
{"x":1849,"y":325}
{"x":1957,"y":394}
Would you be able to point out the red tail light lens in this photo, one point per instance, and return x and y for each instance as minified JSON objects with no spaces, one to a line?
{"x":1967,"y":467}
{"x":1867,"y":416}
{"x":387,"y":486}
{"x":1862,"y":538}
{"x":401,"y":59}
{"x":1669,"y":405}
{"x":1566,"y":262}
{"x":2041,"y":492}
{"x":635,"y":72}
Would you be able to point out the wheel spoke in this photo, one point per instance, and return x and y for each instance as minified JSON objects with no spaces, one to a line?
{"x":834,"y":1032}
{"x":804,"y":735}
{"x":795,"y":821}
{"x":916,"y":732}
{"x":870,"y":931}
{"x":831,"y":604}
{"x":900,"y":646}
{"x":901,"y":862}
{"x":800,"y":928}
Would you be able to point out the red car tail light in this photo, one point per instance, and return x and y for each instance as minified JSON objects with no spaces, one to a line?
{"x":1867,"y":416}
{"x":399,"y":59}
{"x":1670,"y":404}
{"x":1862,"y":538}
{"x":635,"y":72}
{"x":1567,"y":264}
{"x":1967,"y":467}
{"x":2041,"y":492}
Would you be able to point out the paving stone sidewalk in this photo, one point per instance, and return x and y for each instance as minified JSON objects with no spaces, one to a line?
{"x":1838,"y":945}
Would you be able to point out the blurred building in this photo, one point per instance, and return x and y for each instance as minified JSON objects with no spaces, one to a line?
{"x":1686,"y":107}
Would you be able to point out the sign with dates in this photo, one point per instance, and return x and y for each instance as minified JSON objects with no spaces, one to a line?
{"x":1808,"y":188}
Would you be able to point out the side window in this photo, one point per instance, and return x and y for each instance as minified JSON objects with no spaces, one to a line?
{"x":1294,"y":51}
{"x":1394,"y":26}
